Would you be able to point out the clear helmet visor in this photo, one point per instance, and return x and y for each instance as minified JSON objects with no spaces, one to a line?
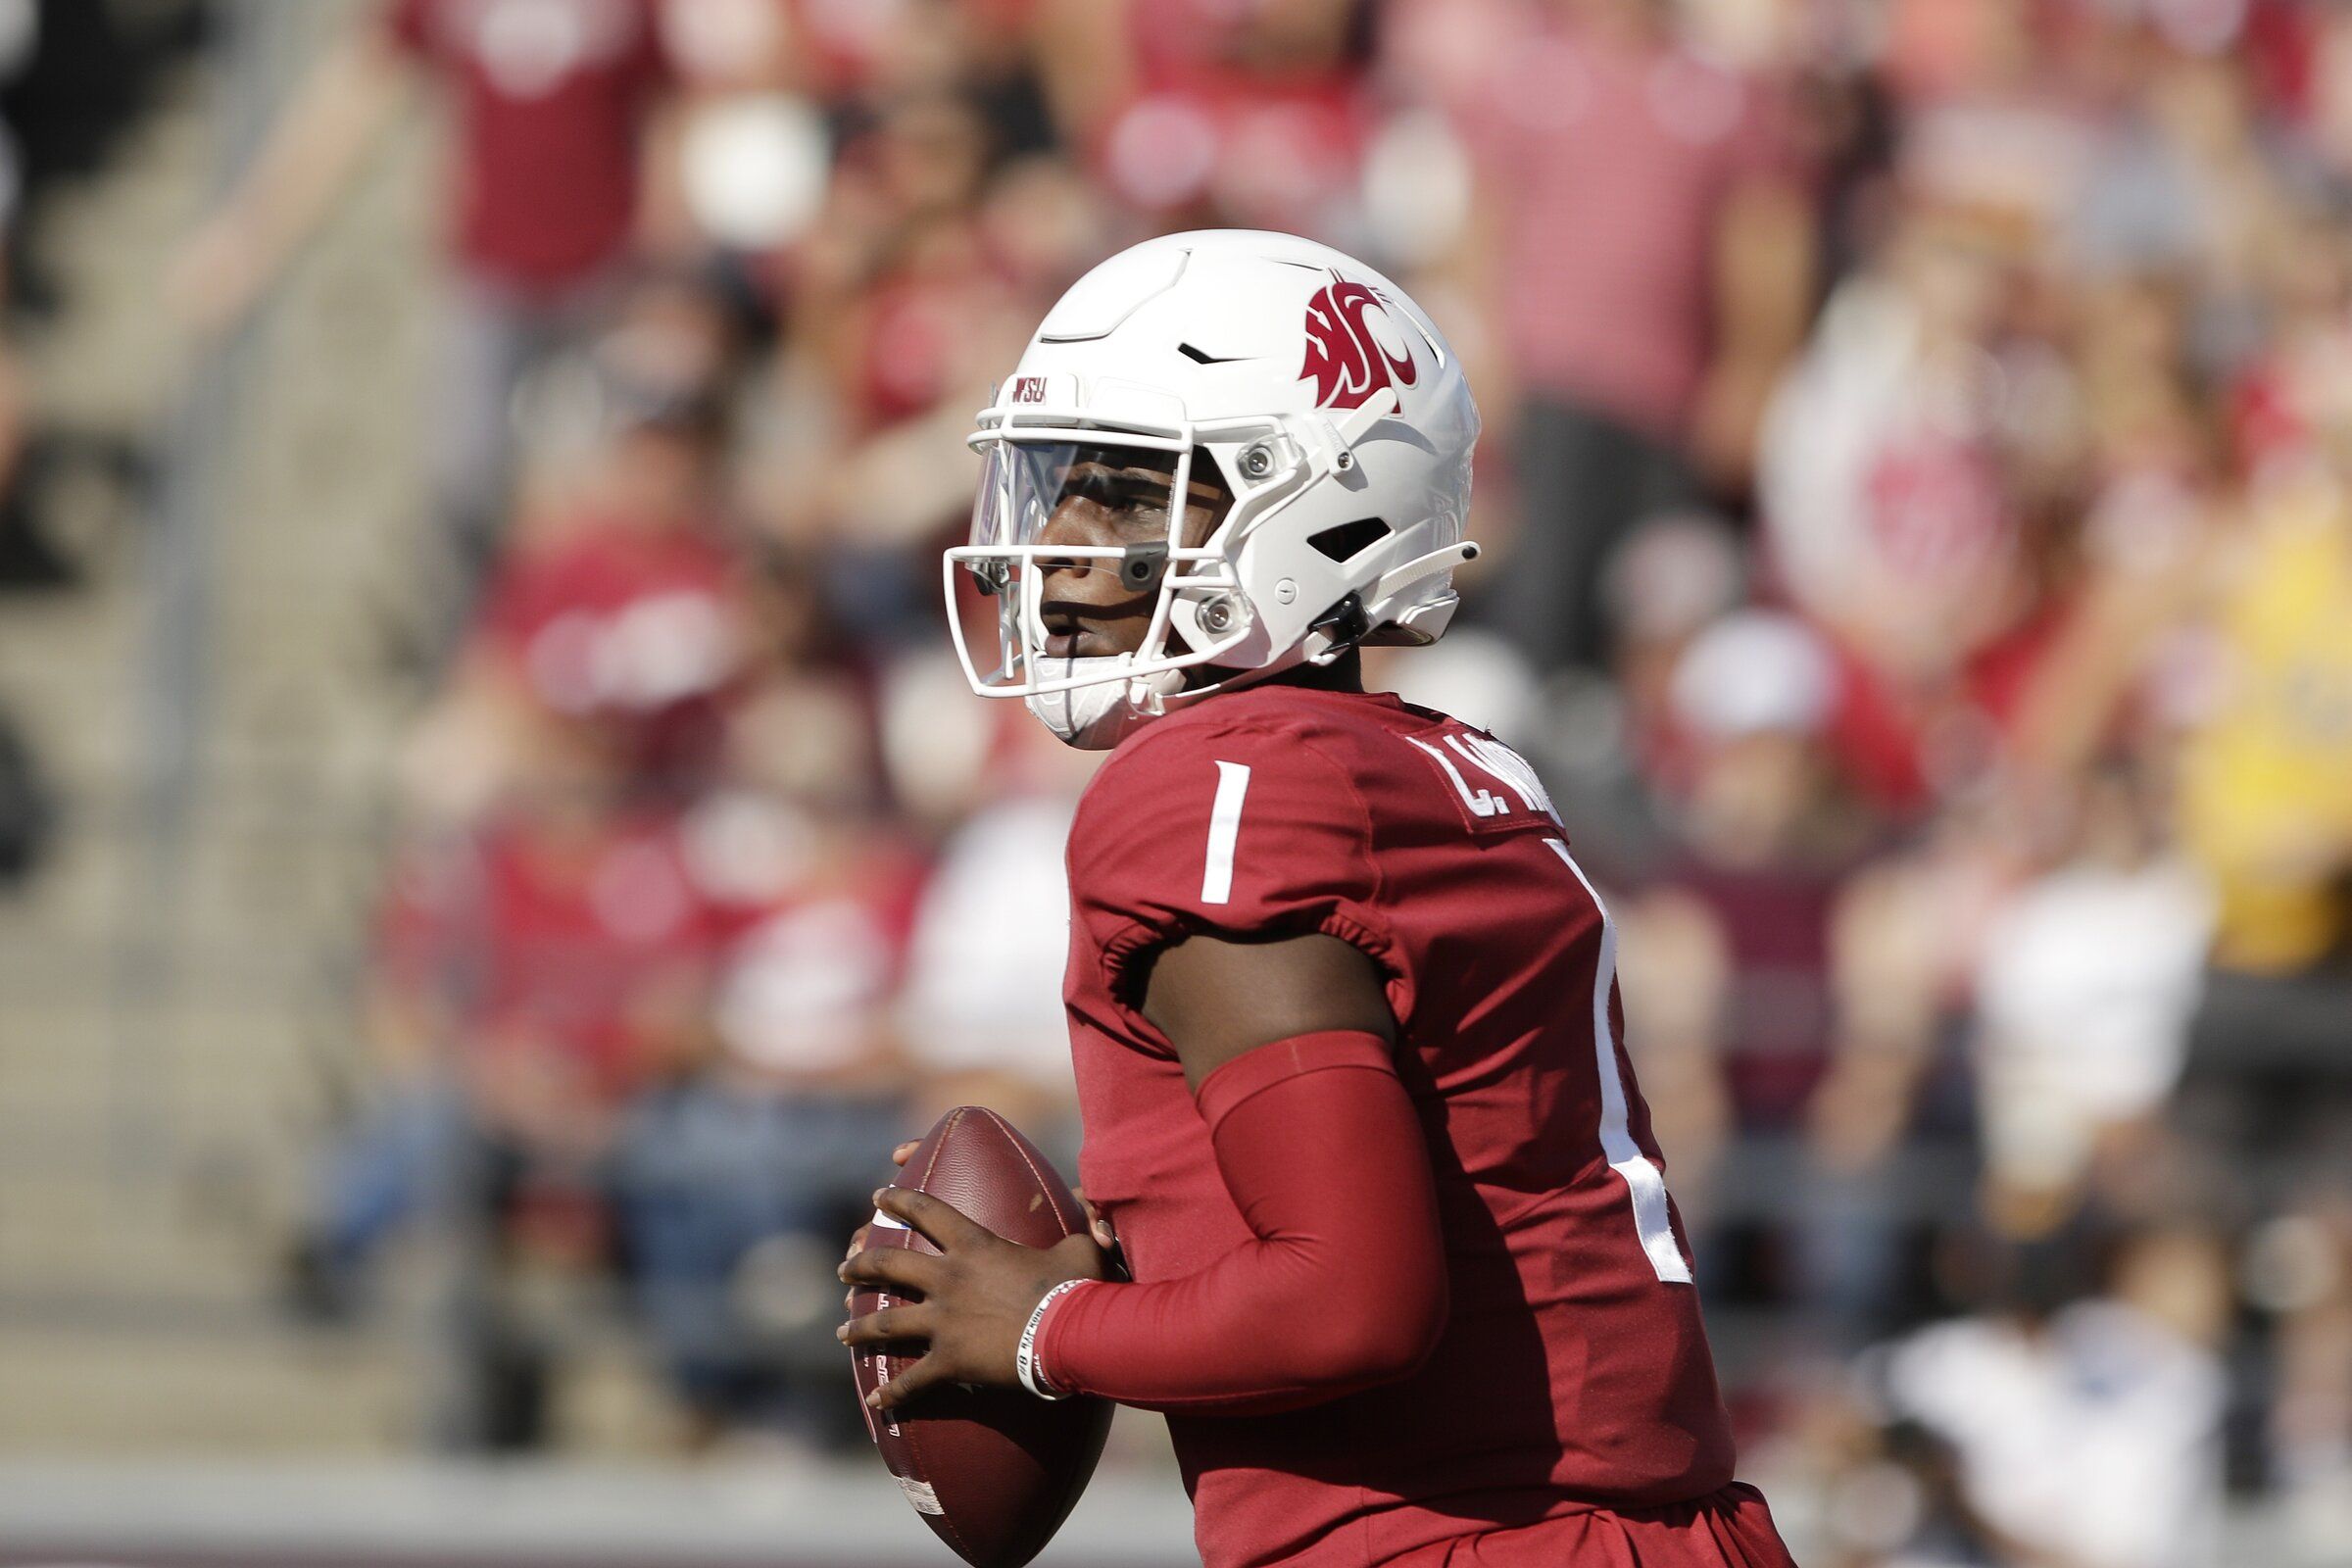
{"x":1121,"y":490}
{"x":1074,"y":551}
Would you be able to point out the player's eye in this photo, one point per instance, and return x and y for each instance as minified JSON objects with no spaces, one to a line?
{"x":1129,"y":500}
{"x":1144,"y":499}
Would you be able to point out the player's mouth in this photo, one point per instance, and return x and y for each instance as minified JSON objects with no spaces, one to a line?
{"x":1069,"y":636}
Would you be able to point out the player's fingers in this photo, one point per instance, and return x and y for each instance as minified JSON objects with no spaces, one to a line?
{"x":860,"y":1240}
{"x":936,"y":1220}
{"x":905,"y":1152}
{"x":893,"y":1268}
{"x":893,"y":1324}
{"x":1100,"y":1228}
{"x":909,"y":1382}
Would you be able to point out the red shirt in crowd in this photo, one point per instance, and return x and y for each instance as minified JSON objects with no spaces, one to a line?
{"x":547,"y":941}
{"x":1774,"y":921}
{"x":630,"y":624}
{"x":1219,"y":118}
{"x":1610,"y":166}
{"x":1573,"y":1369}
{"x":551,"y":100}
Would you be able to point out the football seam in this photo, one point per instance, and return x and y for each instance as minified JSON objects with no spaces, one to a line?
{"x":955,"y":1119}
{"x":1039,"y":1176}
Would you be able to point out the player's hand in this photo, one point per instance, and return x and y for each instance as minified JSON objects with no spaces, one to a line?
{"x":971,"y":1302}
{"x":897,"y":1156}
{"x":1104,"y":1236}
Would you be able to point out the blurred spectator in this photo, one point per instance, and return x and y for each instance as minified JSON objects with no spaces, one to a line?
{"x":1891,"y":512}
{"x":2085,"y":984}
{"x":2268,"y":1095}
{"x":620,"y":604}
{"x":900,"y":312}
{"x":1729,"y":952}
{"x":982,"y":1008}
{"x":1645,"y":243}
{"x":551,"y":100}
{"x":737,"y":1173}
{"x":1745,"y":956}
{"x":532,"y":971}
{"x":1611,"y":743}
{"x":2262,"y":796}
{"x":2084,"y":1429}
{"x":737,"y":1170}
{"x":542,"y":962}
{"x":1211,"y":114}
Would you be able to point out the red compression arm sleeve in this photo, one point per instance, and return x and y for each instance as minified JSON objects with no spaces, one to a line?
{"x":1342,"y":1285}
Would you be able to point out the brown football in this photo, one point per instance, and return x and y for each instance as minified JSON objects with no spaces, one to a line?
{"x":992,"y":1471}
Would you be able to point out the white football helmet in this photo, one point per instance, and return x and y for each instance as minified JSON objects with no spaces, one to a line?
{"x":1335,"y":415}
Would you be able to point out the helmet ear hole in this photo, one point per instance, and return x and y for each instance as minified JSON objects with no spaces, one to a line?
{"x":1343,"y":542}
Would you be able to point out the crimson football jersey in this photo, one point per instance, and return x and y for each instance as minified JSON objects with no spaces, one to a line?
{"x":1572,"y":1370}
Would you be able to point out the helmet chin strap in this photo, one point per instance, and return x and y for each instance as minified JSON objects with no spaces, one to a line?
{"x":1097,"y":716}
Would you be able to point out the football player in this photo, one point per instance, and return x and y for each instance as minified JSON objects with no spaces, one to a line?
{"x":1402,"y":1267}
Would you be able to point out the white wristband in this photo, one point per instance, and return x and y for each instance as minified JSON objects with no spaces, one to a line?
{"x":1024,"y":1360}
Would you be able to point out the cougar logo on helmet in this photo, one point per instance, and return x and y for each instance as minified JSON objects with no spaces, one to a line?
{"x":1347,"y":361}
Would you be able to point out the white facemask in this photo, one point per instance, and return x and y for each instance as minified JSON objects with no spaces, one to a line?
{"x":1098,"y":717}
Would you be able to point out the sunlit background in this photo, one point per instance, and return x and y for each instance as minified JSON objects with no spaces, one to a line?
{"x":494,"y":847}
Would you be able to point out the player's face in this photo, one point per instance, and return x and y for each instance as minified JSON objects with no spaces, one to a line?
{"x":1112,"y":497}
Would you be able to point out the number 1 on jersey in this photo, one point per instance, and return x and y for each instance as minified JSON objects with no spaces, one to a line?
{"x":1653,"y":1221}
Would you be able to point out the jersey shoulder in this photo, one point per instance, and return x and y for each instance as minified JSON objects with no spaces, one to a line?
{"x":1369,"y":760}
{"x":1243,"y":814}
{"x":1286,"y":810}
{"x":1276,"y":725}
{"x":1257,"y":750}
{"x":1304,"y":756}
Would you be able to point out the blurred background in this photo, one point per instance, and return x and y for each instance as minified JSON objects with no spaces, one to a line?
{"x":494,"y":848}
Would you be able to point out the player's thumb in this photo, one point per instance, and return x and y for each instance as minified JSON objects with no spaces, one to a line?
{"x":1097,"y":1226}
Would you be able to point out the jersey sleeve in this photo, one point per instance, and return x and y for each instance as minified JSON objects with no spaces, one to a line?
{"x":1244,"y":834}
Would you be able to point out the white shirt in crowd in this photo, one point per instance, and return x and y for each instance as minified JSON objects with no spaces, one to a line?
{"x":984,"y":975}
{"x":2084,"y":995}
{"x":2096,"y":1438}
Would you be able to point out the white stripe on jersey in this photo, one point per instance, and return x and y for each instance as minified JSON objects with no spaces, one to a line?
{"x":1224,"y":827}
{"x":1652,"y":1220}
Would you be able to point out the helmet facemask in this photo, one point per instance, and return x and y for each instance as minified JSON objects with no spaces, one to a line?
{"x":1060,"y":501}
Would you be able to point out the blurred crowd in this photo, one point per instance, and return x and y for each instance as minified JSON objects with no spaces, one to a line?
{"x":1919,"y":492}
{"x":74,"y":79}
